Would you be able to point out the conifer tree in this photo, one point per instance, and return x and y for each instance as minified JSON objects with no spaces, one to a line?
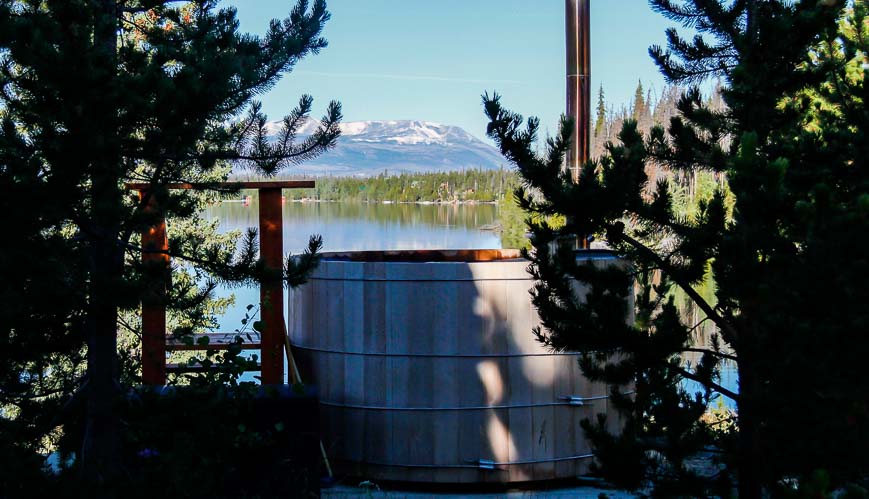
{"x":600,"y":118}
{"x":97,"y":93}
{"x":641,"y":109}
{"x":638,"y":109}
{"x":784,"y":241}
{"x":602,"y":126}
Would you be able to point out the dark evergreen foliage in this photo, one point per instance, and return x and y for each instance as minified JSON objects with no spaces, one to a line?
{"x":95,"y":94}
{"x":783,"y":238}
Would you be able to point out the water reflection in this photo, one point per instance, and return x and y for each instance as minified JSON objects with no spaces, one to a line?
{"x":702,"y":338}
{"x":358,"y":226}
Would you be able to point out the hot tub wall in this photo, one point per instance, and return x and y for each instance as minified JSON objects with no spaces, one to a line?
{"x":427,"y":369}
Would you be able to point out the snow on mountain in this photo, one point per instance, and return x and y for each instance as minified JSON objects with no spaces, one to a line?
{"x":370,"y":147}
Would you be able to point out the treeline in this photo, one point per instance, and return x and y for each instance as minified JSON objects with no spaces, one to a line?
{"x":649,"y":110}
{"x":473,"y":185}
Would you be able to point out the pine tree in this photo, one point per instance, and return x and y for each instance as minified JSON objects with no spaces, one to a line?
{"x":600,"y":133}
{"x":600,"y":118}
{"x":97,"y":93}
{"x":641,"y":108}
{"x":638,"y":108}
{"x":784,"y":240}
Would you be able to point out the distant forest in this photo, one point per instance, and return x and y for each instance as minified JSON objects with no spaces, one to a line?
{"x":479,"y":186}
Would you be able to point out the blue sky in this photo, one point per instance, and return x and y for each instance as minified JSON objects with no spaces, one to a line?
{"x":431,"y":60}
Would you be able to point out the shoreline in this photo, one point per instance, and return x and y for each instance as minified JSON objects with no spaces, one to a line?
{"x":385,"y":202}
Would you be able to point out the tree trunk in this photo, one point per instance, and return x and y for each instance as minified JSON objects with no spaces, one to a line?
{"x":100,"y":449}
{"x":749,"y":454}
{"x":100,"y":446}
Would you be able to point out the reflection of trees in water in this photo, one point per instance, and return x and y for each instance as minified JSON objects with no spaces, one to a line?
{"x":692,"y":316}
{"x":704,"y":330}
{"x":237,"y":214}
{"x":511,"y":218}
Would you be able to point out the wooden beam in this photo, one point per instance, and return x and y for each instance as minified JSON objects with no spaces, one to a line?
{"x":271,"y":235}
{"x":216,"y":341}
{"x":277,"y":184}
{"x":155,"y":247}
{"x":195,"y":368}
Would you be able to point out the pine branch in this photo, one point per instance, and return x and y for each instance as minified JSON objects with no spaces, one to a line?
{"x":706,"y":383}
{"x":146,"y":6}
{"x":712,"y":352}
{"x":721,"y":322}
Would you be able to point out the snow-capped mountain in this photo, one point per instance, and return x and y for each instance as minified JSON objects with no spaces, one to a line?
{"x":371,"y":147}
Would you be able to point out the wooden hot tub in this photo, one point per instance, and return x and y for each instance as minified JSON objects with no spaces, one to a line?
{"x":428,"y":371}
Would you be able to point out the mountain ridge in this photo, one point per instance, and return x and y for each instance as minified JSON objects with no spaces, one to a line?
{"x":369,"y":148}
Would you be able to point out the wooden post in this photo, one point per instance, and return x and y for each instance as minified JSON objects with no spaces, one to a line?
{"x":272,"y":289}
{"x":155,"y":247}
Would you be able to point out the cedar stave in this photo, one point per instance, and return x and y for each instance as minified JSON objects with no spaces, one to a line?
{"x":498,"y":386}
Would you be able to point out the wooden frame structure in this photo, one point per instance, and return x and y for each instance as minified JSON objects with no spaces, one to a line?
{"x":155,"y":248}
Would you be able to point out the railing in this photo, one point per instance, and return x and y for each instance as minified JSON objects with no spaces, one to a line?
{"x":155,"y":248}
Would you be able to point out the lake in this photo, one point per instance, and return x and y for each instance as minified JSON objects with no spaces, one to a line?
{"x":361,"y":227}
{"x":358,"y":226}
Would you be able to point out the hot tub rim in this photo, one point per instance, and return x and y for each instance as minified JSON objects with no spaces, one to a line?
{"x":448,"y":256}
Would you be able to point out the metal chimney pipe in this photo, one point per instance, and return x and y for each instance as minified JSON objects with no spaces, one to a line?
{"x":579,"y":81}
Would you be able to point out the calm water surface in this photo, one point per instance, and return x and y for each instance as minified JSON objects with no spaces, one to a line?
{"x":361,"y":227}
{"x":357,"y":227}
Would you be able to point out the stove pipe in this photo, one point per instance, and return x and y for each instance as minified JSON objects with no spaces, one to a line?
{"x":578,"y":82}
